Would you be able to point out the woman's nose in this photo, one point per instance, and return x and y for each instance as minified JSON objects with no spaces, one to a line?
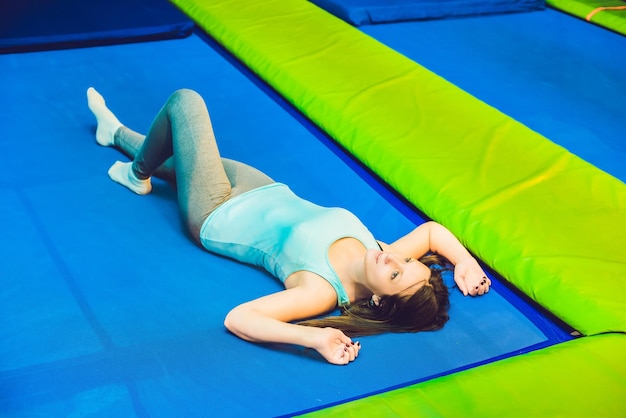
{"x":391,"y":258}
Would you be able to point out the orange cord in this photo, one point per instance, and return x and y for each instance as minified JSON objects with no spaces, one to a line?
{"x":599,"y":9}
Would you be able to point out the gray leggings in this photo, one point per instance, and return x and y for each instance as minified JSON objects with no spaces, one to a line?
{"x":180,"y":147}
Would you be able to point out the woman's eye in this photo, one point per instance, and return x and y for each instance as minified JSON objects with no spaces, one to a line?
{"x":408,"y":260}
{"x":394,"y":274}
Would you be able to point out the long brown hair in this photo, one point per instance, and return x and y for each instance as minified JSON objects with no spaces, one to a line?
{"x":425,"y":310}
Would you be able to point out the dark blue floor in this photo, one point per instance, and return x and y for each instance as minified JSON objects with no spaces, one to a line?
{"x":40,"y":25}
{"x":559,"y":75}
{"x":108,"y":309}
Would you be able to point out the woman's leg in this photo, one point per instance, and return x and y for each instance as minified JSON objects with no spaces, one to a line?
{"x":129,"y":142}
{"x":182,"y":130}
{"x":242,"y":177}
{"x":111,"y":132}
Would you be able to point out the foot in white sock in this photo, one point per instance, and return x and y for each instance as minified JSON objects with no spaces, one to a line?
{"x":108,"y":123}
{"x":123,"y":174}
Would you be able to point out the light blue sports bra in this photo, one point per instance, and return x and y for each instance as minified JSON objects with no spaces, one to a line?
{"x":273,"y":228}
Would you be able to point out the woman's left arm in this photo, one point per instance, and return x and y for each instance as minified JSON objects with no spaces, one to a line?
{"x":433,"y":237}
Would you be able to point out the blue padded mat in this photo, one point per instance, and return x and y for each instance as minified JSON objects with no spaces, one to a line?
{"x":366,"y":12}
{"x":559,"y":75}
{"x":108,"y":309}
{"x":35,"y":25}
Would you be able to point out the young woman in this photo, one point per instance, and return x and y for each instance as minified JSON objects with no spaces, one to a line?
{"x":325,"y":257}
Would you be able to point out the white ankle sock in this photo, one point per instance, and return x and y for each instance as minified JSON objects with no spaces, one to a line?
{"x":123,"y":174}
{"x":107,"y":122}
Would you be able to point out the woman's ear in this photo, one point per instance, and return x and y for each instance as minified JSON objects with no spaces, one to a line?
{"x":375,"y":300}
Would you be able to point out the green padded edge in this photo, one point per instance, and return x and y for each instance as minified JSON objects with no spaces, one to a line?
{"x":552,"y":224}
{"x":610,"y":19}
{"x":579,"y":378}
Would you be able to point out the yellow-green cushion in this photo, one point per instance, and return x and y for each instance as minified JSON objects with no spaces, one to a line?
{"x":580,"y":378}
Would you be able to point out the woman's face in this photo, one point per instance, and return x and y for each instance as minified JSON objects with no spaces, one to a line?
{"x":388,"y":273}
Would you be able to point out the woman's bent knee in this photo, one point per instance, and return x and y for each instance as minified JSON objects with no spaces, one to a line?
{"x":186,"y":98}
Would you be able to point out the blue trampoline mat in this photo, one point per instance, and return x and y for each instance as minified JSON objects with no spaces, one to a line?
{"x":557,"y":74}
{"x":108,"y":309}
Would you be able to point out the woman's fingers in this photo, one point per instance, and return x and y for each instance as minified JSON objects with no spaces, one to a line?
{"x":350,"y":352}
{"x":482,"y":287}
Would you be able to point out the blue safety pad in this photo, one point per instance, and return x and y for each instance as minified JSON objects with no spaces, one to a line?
{"x":35,"y":25}
{"x":569,"y":88}
{"x":108,"y":308}
{"x":366,"y":12}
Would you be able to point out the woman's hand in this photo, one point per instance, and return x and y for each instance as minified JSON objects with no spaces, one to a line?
{"x":334,"y":345}
{"x":470,"y":277}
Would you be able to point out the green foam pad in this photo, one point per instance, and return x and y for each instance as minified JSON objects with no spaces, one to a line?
{"x":580,"y":378}
{"x":549,"y":222}
{"x":610,"y":14}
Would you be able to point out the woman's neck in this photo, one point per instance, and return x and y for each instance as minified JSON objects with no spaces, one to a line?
{"x":347,"y":257}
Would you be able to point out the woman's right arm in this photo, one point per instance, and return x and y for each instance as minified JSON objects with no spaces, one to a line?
{"x":268,"y":320}
{"x":434,"y":237}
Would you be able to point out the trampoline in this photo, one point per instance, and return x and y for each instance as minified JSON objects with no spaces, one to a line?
{"x":109,"y":309}
{"x":116,"y":328}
